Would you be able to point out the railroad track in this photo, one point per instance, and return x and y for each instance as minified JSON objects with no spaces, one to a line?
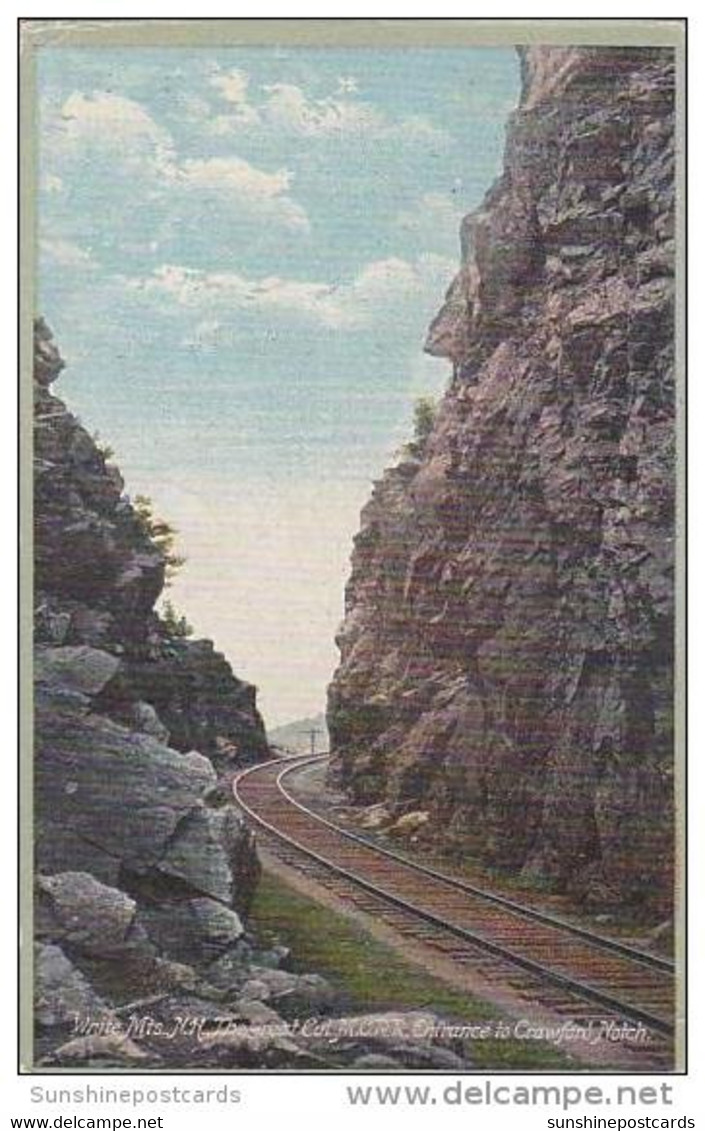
{"x":578,"y":974}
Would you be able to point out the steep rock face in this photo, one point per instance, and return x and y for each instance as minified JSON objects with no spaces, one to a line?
{"x":98,"y":574}
{"x":130,"y":810}
{"x":506,"y":656}
{"x":202,"y":705}
{"x":142,"y":864}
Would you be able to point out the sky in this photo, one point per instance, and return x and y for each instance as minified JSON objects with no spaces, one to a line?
{"x":240,"y":253}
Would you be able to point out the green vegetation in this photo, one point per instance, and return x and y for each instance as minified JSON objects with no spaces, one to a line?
{"x":161,"y":533}
{"x":425,"y":412}
{"x":104,"y":449}
{"x":372,"y":975}
{"x":174,"y":622}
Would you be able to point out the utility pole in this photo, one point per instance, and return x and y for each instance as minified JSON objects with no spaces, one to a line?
{"x":312,"y":733}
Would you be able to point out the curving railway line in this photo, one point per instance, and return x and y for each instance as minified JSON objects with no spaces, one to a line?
{"x":578,"y":974}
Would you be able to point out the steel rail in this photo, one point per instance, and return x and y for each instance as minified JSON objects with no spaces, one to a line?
{"x":656,"y":961}
{"x":573,"y":985}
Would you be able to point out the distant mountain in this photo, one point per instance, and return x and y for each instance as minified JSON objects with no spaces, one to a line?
{"x":295,"y":736}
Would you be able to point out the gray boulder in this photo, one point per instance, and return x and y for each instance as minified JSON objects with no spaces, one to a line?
{"x":376,"y":1062}
{"x":76,"y":909}
{"x":231,"y":970}
{"x":111,"y":1050}
{"x":292,"y":995}
{"x":63,"y":996}
{"x":76,"y":668}
{"x":191,"y":930}
{"x":185,"y":869}
{"x":146,"y":719}
{"x":218,"y":925}
{"x":83,"y":763}
{"x":197,"y":852}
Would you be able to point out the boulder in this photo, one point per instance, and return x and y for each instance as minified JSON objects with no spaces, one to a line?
{"x":146,"y":719}
{"x":376,"y":1062}
{"x":76,"y":668}
{"x":256,"y":1047}
{"x":409,"y":824}
{"x":292,"y":995}
{"x":63,"y":996}
{"x":231,"y":970}
{"x":113,"y":1050}
{"x":375,"y":817}
{"x":197,"y":853}
{"x":191,"y":931}
{"x":83,"y":763}
{"x":77,"y":910}
{"x":160,"y":871}
{"x":219,"y":925}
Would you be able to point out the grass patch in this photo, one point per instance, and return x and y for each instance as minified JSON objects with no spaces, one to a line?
{"x":373,"y":976}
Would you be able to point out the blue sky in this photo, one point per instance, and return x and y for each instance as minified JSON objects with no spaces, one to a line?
{"x":240,"y":252}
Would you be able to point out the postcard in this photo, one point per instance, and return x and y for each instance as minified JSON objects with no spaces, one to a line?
{"x":353,"y":421}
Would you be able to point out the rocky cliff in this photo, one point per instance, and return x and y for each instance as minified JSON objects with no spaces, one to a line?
{"x":98,"y":572}
{"x":507,"y":651}
{"x":144,"y":871}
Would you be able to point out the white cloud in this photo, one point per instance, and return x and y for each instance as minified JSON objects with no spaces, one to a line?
{"x":203,"y":290}
{"x":66,"y":254}
{"x":381,"y":281}
{"x":245,"y":185}
{"x":110,"y":122}
{"x":232,"y":87}
{"x":127,"y":137}
{"x":286,"y":108}
{"x":380,"y":289}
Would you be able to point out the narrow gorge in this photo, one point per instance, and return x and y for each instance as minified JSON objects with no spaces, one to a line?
{"x":507,"y":653}
{"x":145,"y":871}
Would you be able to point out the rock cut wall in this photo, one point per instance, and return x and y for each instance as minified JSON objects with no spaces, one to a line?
{"x":143,"y":870}
{"x":507,"y":650}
